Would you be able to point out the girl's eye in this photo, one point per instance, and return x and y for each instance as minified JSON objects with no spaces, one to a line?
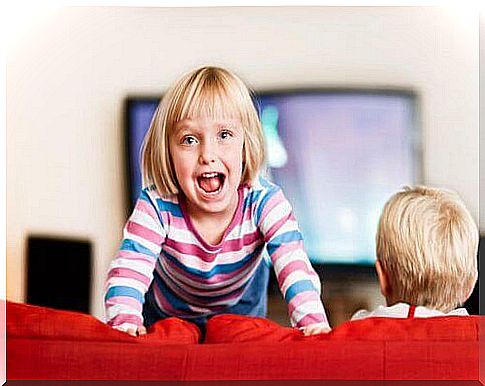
{"x":225,"y":134}
{"x":189,"y":140}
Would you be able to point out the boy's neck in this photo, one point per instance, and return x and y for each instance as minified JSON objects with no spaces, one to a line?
{"x":391,"y":301}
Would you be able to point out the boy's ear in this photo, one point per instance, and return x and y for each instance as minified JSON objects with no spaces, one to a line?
{"x":471,"y":287}
{"x":383,"y":280}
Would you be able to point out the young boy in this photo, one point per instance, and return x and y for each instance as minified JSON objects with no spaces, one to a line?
{"x":426,"y":254}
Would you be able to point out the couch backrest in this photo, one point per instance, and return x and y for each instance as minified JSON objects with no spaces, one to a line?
{"x":237,"y":328}
{"x":28,"y":321}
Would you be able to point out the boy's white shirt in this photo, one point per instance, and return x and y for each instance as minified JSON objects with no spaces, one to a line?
{"x":401,"y":310}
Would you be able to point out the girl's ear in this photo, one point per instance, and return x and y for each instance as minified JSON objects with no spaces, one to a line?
{"x":384,"y":283}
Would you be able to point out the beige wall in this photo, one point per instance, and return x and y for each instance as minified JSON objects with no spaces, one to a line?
{"x":68,"y":74}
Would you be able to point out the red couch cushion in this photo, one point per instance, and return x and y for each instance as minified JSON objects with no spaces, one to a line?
{"x":236,"y":328}
{"x":28,"y":321}
{"x":229,"y":328}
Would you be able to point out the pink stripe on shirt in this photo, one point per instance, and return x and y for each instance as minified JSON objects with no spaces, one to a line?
{"x":129,"y":274}
{"x":126,"y":318}
{"x":178,"y":223}
{"x":127,"y":301}
{"x":144,"y":233}
{"x":136,"y":256}
{"x":229,"y":246}
{"x":284,"y":249}
{"x":275,"y":227}
{"x":311,"y":319}
{"x":236,"y":244}
{"x":302,"y":298}
{"x":275,"y":200}
{"x":147,"y":208}
{"x":291,"y":267}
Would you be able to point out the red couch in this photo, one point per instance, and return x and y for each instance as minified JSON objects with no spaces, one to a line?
{"x":44,"y":344}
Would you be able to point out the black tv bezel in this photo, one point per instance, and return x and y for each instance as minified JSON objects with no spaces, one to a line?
{"x":127,"y":140}
{"x":326,"y":269}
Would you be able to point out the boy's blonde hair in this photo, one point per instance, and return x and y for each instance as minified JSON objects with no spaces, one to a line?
{"x":427,"y":245}
{"x":204,"y":92}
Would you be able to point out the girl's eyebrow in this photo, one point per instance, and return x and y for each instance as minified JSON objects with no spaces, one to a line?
{"x":183,"y":131}
{"x":183,"y":125}
{"x":227,"y":123}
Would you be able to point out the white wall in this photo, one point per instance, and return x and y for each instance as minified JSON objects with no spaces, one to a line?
{"x":482,"y":119}
{"x":68,"y":74}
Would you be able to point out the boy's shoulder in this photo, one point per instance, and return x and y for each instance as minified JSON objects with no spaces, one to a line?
{"x":401,"y":310}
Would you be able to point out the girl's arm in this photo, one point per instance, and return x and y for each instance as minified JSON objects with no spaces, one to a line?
{"x":131,"y":271}
{"x":298,"y":282}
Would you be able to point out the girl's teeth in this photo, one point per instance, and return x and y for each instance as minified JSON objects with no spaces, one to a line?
{"x":211,"y":182}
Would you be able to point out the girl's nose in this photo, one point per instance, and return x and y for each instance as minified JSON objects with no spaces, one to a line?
{"x":207,"y":155}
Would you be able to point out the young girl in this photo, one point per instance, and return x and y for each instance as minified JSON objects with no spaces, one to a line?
{"x":193,"y":245}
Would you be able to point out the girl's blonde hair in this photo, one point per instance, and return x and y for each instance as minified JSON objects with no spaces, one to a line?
{"x":427,"y":244}
{"x":204,"y":92}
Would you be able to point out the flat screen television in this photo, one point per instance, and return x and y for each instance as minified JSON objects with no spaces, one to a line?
{"x":337,"y":154}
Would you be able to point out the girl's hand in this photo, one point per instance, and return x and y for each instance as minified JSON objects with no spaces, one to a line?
{"x":140,"y":330}
{"x":315,"y":328}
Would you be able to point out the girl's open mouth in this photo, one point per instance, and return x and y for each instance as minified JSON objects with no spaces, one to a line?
{"x":211,"y":183}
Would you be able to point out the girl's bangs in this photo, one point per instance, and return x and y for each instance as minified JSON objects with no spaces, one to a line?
{"x":210,"y":102}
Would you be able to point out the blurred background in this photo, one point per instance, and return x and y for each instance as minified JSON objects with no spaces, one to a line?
{"x":355,"y":103}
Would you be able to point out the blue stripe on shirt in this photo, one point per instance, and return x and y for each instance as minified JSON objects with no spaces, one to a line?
{"x":144,"y":196}
{"x":296,"y":288}
{"x":284,"y":238}
{"x":250,"y":199}
{"x":135,"y":246}
{"x":167,"y":206}
{"x":270,"y":194}
{"x":124,"y":291}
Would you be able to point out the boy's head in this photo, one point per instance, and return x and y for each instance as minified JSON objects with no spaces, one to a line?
{"x":206,"y":92}
{"x":427,"y":246}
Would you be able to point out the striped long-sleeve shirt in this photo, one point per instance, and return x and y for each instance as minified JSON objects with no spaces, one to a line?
{"x":160,"y":243}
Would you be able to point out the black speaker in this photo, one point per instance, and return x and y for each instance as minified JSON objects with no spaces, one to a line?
{"x":59,"y":273}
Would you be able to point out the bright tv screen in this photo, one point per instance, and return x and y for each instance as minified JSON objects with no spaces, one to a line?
{"x":337,"y":154}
